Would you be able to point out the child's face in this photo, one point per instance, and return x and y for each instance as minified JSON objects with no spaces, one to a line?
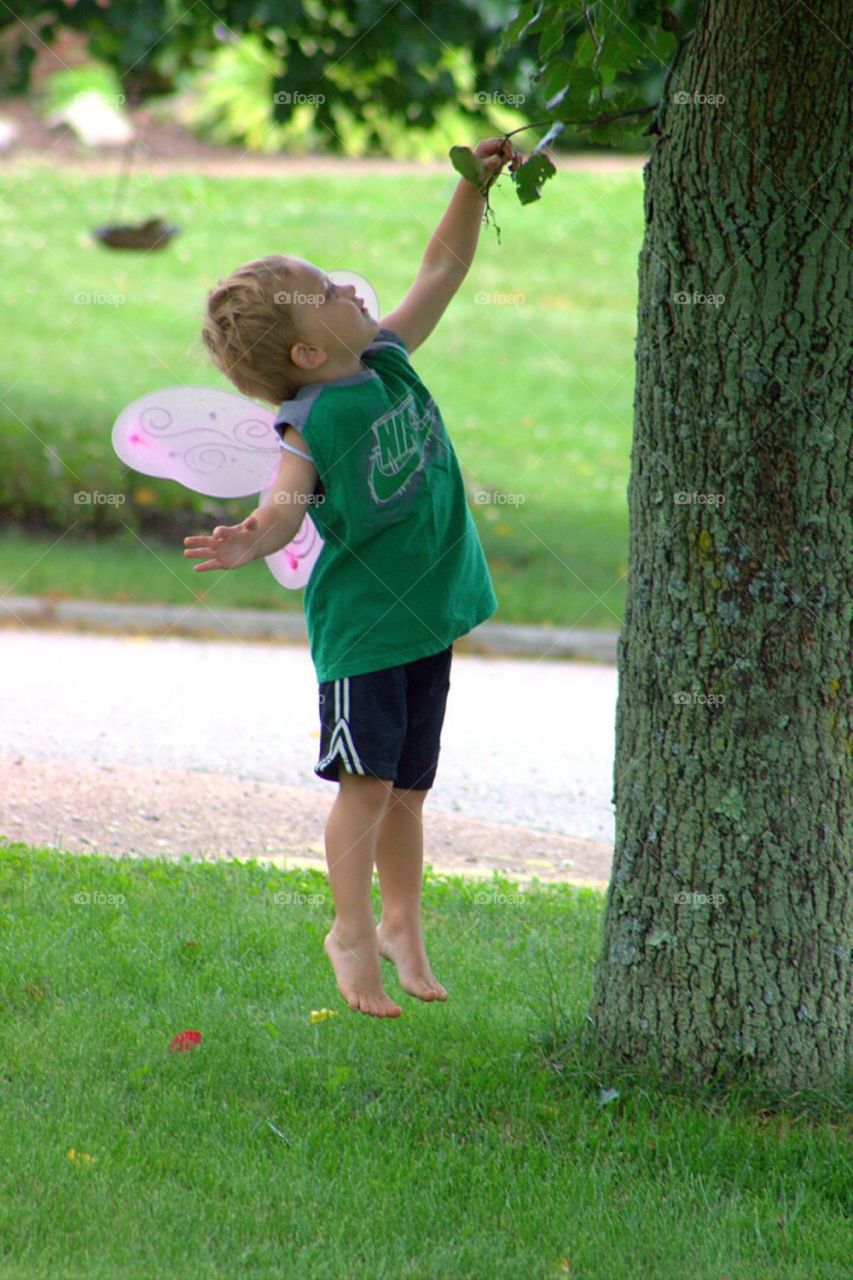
{"x":329,"y":316}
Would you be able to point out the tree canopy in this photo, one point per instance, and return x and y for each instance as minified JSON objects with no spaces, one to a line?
{"x":594,"y":70}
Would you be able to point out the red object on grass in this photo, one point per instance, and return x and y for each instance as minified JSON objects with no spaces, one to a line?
{"x":186,"y":1041}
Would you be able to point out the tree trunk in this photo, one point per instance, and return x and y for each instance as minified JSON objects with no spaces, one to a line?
{"x":727,"y":940}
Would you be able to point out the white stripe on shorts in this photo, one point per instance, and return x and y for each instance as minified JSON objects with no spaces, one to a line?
{"x":341,"y":743}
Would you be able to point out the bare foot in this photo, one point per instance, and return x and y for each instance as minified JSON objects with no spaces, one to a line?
{"x":356,"y":966}
{"x":405,"y":949}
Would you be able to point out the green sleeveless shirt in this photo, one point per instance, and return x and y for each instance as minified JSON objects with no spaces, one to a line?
{"x":402,"y":573}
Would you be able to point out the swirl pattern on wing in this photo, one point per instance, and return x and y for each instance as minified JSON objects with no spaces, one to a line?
{"x":218,"y":444}
{"x":212,"y":441}
{"x":217,"y":447}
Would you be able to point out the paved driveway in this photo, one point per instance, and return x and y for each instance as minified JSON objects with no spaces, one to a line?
{"x":525,"y":743}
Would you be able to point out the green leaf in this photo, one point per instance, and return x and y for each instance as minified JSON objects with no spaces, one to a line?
{"x":530,"y":176}
{"x":623,"y":101}
{"x":661,"y":45}
{"x":553,"y":35}
{"x":583,"y":80}
{"x":645,"y":11}
{"x":557,"y":76}
{"x":524,"y":21}
{"x":584,"y":51}
{"x":579,"y":104}
{"x":630,"y":46}
{"x":470,"y":166}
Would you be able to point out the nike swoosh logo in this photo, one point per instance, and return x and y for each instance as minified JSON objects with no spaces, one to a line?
{"x":386,"y":486}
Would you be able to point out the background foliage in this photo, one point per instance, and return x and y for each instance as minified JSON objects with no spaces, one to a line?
{"x":369,"y":72}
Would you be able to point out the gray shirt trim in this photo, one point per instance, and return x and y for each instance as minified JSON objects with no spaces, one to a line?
{"x":294,"y":413}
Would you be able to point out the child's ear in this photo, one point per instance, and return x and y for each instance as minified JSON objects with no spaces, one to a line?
{"x":307,"y":357}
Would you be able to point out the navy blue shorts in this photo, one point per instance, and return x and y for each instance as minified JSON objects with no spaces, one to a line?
{"x":387,"y":723}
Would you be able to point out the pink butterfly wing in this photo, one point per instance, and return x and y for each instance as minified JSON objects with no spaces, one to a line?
{"x":218,"y":444}
{"x":293,"y":564}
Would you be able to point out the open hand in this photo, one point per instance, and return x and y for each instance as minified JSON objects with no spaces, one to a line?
{"x":230,"y":546}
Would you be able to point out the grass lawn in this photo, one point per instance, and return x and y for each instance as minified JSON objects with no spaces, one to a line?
{"x":461,"y":1140}
{"x":536,"y":392}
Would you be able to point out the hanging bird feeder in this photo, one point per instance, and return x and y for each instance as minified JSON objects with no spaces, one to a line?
{"x":153,"y":233}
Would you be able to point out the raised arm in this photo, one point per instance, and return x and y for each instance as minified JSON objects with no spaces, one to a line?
{"x":448,"y":255}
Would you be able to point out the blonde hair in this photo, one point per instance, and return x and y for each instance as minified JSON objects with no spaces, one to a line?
{"x":249,"y":334}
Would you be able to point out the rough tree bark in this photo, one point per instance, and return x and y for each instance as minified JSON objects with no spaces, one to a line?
{"x":727,"y":940}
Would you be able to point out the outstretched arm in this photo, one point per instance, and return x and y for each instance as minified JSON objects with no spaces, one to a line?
{"x":268,"y":528}
{"x":449,"y":253}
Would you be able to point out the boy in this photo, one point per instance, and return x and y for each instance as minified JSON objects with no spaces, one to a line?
{"x":402,"y":573}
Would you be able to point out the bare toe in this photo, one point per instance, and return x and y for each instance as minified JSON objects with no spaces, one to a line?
{"x":405,"y":950}
{"x":356,"y":966}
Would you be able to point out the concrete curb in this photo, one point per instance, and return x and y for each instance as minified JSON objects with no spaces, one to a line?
{"x":491,"y":638}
